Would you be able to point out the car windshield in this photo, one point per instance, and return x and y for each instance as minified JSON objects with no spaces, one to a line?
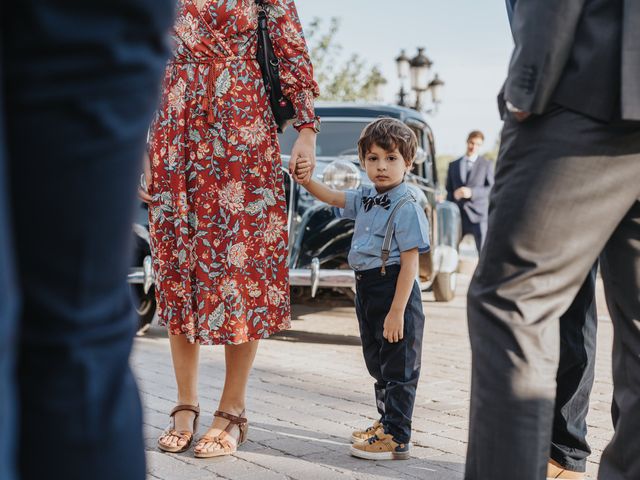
{"x":336,"y":138}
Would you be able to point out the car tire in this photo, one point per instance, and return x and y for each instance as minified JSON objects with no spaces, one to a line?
{"x":444,"y":286}
{"x":145,"y":306}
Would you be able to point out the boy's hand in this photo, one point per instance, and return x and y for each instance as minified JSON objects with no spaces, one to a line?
{"x":393,"y":326}
{"x":303,"y":171}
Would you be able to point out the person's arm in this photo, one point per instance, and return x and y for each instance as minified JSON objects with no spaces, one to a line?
{"x":296,"y":74}
{"x":295,"y":68}
{"x":543,"y":32}
{"x":325,"y":194}
{"x":394,"y":321}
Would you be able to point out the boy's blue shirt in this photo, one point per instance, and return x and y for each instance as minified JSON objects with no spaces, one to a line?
{"x":411,"y":227}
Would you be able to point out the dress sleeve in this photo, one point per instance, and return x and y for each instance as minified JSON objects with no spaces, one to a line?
{"x":296,"y":71}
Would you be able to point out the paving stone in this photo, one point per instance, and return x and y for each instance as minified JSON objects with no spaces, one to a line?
{"x":169,"y":467}
{"x":309,"y":390}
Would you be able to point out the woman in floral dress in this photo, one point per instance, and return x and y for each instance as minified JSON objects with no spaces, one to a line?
{"x":218,"y":217}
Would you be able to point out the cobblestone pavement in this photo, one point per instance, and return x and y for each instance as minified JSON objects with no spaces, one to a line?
{"x":310,"y":388}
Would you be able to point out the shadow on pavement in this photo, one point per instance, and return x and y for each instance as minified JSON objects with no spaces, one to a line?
{"x":333,"y":452}
{"x":297,"y":336}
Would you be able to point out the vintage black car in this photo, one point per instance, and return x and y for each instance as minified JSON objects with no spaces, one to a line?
{"x":319,"y":241}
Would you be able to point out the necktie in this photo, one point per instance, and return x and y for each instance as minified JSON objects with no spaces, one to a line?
{"x":379,"y":200}
{"x":467,"y":169}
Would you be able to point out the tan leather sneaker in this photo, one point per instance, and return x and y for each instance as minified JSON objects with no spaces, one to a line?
{"x":381,"y":447}
{"x":555,"y":470}
{"x":361,"y":436}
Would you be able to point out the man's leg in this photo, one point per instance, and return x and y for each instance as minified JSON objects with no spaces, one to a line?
{"x":83,"y":81}
{"x":552,"y":212}
{"x":621,"y":274}
{"x":8,"y":310}
{"x":473,"y":229}
{"x":578,"y":329}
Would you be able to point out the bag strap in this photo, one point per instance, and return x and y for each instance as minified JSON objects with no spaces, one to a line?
{"x":388,"y":236}
{"x":272,"y":83}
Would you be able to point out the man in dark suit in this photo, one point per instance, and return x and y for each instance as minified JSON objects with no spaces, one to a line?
{"x":79,"y":81}
{"x":469,"y":181}
{"x":565,"y":193}
{"x":574,"y":380}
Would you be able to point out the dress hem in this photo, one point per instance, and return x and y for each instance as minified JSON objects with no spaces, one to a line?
{"x":266,"y":334}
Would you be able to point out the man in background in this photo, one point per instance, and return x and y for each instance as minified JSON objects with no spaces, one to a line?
{"x":469,"y":181}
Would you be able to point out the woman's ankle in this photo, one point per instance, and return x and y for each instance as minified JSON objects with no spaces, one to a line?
{"x":234,"y":408}
{"x":187,"y":400}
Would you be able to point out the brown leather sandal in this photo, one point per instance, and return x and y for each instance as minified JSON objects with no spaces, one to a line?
{"x":225,"y":443}
{"x":182,"y":435}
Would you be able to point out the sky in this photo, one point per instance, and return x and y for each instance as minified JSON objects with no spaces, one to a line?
{"x":468,"y":41}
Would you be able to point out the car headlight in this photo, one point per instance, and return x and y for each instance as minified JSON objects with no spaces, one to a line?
{"x":341,"y":175}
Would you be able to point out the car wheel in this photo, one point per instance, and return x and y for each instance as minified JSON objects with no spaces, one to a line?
{"x":145,"y":305}
{"x":444,"y":286}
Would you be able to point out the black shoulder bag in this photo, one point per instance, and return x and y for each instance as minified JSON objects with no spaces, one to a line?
{"x":281,"y":106}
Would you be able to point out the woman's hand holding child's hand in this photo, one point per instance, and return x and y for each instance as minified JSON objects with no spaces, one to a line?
{"x":303,"y":156}
{"x":393,"y":326}
{"x":303,"y":171}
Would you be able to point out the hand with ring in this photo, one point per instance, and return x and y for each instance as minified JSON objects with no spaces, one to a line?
{"x":145,"y":180}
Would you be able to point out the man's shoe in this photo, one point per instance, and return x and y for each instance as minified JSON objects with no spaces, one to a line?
{"x":381,"y":446}
{"x":555,"y":470}
{"x":361,"y":436}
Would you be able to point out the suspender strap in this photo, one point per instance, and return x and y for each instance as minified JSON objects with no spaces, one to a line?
{"x":388,"y":236}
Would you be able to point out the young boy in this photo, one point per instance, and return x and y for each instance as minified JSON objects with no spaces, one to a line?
{"x":388,"y":301}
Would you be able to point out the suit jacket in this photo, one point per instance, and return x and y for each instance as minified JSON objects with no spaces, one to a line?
{"x":479,"y":180}
{"x":581,"y":54}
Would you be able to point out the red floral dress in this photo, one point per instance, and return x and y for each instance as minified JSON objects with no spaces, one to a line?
{"x":218,"y":217}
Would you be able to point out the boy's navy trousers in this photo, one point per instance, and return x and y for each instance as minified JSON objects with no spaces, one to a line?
{"x":395,"y":366}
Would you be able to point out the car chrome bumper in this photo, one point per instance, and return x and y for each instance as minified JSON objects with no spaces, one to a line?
{"x":315,"y":277}
{"x":142,"y":275}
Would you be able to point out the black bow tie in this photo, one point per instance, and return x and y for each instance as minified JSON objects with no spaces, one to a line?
{"x":380,"y":200}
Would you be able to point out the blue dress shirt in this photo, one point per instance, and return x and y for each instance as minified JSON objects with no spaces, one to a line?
{"x":411,"y":227}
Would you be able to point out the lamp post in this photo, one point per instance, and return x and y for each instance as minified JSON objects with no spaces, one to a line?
{"x":418,"y":68}
{"x":435,"y":86}
{"x":404,"y":66}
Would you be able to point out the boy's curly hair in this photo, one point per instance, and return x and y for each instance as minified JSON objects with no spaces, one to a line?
{"x":388,"y":134}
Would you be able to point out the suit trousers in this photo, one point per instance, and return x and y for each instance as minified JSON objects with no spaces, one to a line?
{"x":578,"y":330}
{"x":563,"y":194}
{"x":394,"y":366}
{"x":80,"y":82}
{"x":478,"y":230}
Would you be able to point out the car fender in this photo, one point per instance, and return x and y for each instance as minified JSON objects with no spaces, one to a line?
{"x":448,"y":231}
{"x":323,"y":235}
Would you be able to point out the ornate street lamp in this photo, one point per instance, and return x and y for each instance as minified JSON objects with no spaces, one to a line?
{"x":435,"y":86}
{"x":420,"y":65}
{"x":404,"y":65}
{"x":417,"y":69}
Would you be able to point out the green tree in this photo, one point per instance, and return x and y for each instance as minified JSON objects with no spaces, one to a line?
{"x":350,"y":80}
